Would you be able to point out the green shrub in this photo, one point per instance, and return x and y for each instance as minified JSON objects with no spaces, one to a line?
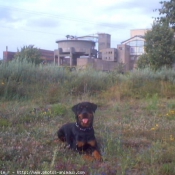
{"x":4,"y":122}
{"x":58,"y":109}
{"x":24,"y":80}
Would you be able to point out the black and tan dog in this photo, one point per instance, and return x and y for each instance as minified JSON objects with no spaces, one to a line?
{"x":80,"y":135}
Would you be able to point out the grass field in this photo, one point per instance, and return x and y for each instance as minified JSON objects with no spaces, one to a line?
{"x":134,"y":123}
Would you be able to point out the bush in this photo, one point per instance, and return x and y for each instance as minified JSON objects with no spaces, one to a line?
{"x":52,"y":84}
{"x":58,"y":109}
{"x":141,"y":82}
{"x":26,"y":80}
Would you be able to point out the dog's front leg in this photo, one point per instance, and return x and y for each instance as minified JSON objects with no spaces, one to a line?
{"x":79,"y":146}
{"x":69,"y":141}
{"x":95,"y":153}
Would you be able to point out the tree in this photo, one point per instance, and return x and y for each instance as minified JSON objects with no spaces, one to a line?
{"x":29,"y":53}
{"x":168,"y":10}
{"x":160,"y":47}
{"x":143,"y":61}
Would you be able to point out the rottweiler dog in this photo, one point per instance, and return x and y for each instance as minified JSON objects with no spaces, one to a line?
{"x":80,"y":135}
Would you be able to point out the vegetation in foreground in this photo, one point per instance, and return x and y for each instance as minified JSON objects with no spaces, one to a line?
{"x":134,"y":123}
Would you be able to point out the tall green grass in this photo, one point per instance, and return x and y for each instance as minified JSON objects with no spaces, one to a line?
{"x":24,"y":80}
{"x":143,"y":83}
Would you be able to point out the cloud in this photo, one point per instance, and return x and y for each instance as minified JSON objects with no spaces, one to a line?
{"x":133,"y":6}
{"x":5,"y":14}
{"x":128,"y":14}
{"x":113,"y":25}
{"x":43,"y":22}
{"x":26,"y":21}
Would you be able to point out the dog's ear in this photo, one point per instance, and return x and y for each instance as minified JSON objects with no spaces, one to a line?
{"x":74,"y":108}
{"x":93,"y":107}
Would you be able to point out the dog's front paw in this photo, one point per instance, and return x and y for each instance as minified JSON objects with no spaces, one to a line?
{"x":67,"y":146}
{"x":97,"y":156}
{"x":88,"y":157}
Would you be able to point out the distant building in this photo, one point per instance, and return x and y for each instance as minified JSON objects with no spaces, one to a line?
{"x":72,"y":49}
{"x":132,"y":48}
{"x":8,"y":56}
{"x":140,"y":32}
{"x":104,"y":42}
{"x":109,"y":54}
{"x":46,"y":55}
{"x":78,"y":51}
{"x":135,"y":46}
{"x":124,"y":56}
{"x":97,"y":64}
{"x":127,"y":52}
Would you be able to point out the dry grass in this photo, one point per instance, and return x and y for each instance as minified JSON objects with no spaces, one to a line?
{"x":136,"y":137}
{"x":134,"y":123}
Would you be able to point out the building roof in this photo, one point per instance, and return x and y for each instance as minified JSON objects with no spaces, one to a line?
{"x":137,"y":36}
{"x":74,"y":40}
{"x":47,"y":54}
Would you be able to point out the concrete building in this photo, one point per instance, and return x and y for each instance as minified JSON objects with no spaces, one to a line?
{"x":109,"y":54}
{"x":124,"y":56}
{"x":135,"y":32}
{"x":81,"y":52}
{"x":126,"y":53}
{"x":73,"y":49}
{"x":104,"y":42}
{"x":97,"y":64}
{"x":134,"y":48}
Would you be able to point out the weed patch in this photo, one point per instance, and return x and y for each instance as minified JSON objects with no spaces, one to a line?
{"x":134,"y":123}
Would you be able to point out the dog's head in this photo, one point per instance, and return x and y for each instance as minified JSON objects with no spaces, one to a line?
{"x":84,"y":113}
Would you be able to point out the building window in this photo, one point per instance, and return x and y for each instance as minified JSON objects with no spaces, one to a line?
{"x":136,"y":47}
{"x":136,"y":43}
{"x":141,"y":49}
{"x":132,"y":49}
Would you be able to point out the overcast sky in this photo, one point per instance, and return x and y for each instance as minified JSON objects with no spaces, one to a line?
{"x":42,"y":22}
